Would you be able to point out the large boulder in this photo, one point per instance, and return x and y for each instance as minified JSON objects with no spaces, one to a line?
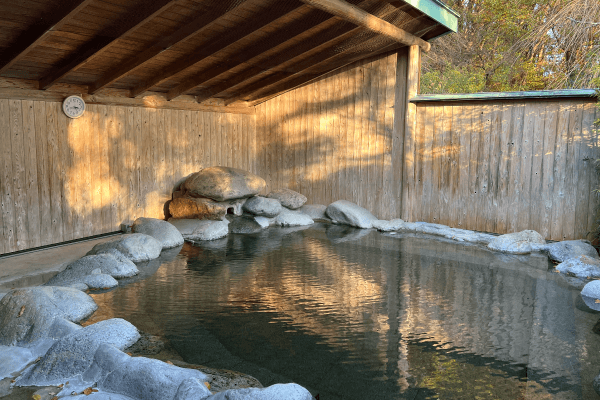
{"x":73,"y":354}
{"x":347,"y":213}
{"x":28,"y":314}
{"x":582,"y":267}
{"x":160,"y":230}
{"x":288,"y":198}
{"x":315,"y":211}
{"x":287,"y":391}
{"x":78,"y":270}
{"x":591,"y":295}
{"x":201,"y":208}
{"x":523,"y":242}
{"x":292,"y":218}
{"x":135,"y":246}
{"x":100,"y":281}
{"x":262,"y":206}
{"x":562,"y":251}
{"x":201,"y":229}
{"x":223,"y":183}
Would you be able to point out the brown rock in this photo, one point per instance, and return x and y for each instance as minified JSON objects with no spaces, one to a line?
{"x":202,"y":208}
{"x":223,"y":183}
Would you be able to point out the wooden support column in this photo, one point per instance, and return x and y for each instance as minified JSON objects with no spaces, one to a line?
{"x":362,"y":18}
{"x":413,"y":77}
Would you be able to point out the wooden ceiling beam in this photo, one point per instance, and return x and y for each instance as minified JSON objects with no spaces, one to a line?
{"x":362,"y":18}
{"x":192,"y":28}
{"x":203,"y":52}
{"x":314,"y":73}
{"x":322,"y":38}
{"x":108,"y":36}
{"x":35,"y":34}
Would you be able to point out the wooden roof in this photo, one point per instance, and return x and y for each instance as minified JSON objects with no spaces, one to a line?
{"x":230,"y":51}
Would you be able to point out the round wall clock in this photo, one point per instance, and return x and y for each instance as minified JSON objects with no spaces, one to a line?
{"x":73,"y":106}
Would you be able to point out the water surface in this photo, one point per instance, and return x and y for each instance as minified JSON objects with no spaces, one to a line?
{"x":356,"y":314}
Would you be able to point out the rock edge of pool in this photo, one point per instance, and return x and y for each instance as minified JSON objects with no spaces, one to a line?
{"x":42,"y":345}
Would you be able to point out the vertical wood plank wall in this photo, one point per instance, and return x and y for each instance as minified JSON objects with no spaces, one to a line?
{"x":336,"y":138}
{"x":64,"y":179}
{"x":507,"y":166}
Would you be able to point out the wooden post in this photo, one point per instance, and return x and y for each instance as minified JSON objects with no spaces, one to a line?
{"x":362,"y":18}
{"x":412,"y":89}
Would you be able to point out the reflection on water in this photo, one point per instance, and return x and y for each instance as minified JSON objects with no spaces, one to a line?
{"x":371,"y":317}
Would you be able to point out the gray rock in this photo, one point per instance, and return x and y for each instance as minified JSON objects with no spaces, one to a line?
{"x":100,"y":396}
{"x":196,"y":229}
{"x":523,"y":242}
{"x":591,"y":295}
{"x":149,"y":379}
{"x":596,"y":384}
{"x":288,"y":198}
{"x":100,"y":281}
{"x":73,"y":355}
{"x":388,"y":226}
{"x":190,"y":389}
{"x":202,"y":208}
{"x":28,"y":314}
{"x":581,"y":267}
{"x":459,"y":235}
{"x":223,"y":183}
{"x":79,"y":286}
{"x":347,"y":213}
{"x":292,"y":218}
{"x":264,"y":222}
{"x":244,"y":225}
{"x":262,"y":206}
{"x":223,"y":379}
{"x":562,"y":251}
{"x":287,"y":391}
{"x":79,"y":269}
{"x":13,"y":359}
{"x":135,"y":246}
{"x":315,"y":211}
{"x":128,"y":268}
{"x":160,"y":230}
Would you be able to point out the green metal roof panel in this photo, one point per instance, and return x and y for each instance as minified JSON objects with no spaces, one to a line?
{"x":533,"y":94}
{"x":438,"y":11}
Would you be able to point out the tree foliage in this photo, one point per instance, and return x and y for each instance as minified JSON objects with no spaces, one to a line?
{"x":506,"y":45}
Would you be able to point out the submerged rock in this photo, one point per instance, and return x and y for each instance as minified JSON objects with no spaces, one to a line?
{"x":292,"y":218}
{"x":201,"y":208}
{"x":562,"y":251}
{"x":78,"y":270}
{"x":287,"y":391}
{"x":315,"y":211}
{"x":73,"y":354}
{"x":223,"y":379}
{"x":288,"y":198}
{"x":388,"y":226}
{"x":244,"y":225}
{"x":581,"y":267}
{"x":135,"y":246}
{"x":347,"y":213}
{"x":29,"y":314}
{"x":195,"y":229}
{"x":223,"y":183}
{"x":262,"y":206}
{"x":160,"y":230}
{"x":523,"y":242}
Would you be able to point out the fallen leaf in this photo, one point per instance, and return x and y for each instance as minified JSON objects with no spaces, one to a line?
{"x":12,"y":381}
{"x":54,"y":398}
{"x":588,"y":278}
{"x":169,"y":362}
{"x":94,"y":390}
{"x":21,"y":312}
{"x":597,"y":301}
{"x":37,"y":397}
{"x":61,"y":385}
{"x":207,"y":385}
{"x":128,"y":354}
{"x":87,"y":391}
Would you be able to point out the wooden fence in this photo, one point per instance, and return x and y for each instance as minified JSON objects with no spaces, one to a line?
{"x":63,"y":179}
{"x":505,"y":166}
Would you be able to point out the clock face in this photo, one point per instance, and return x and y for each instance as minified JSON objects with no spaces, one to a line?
{"x":73,"y":106}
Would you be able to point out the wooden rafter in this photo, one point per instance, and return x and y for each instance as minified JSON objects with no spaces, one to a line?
{"x":165,"y":43}
{"x":321,"y":38}
{"x":35,"y":34}
{"x":362,"y":18}
{"x":307,"y":72}
{"x":105,"y":38}
{"x":203,"y":52}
